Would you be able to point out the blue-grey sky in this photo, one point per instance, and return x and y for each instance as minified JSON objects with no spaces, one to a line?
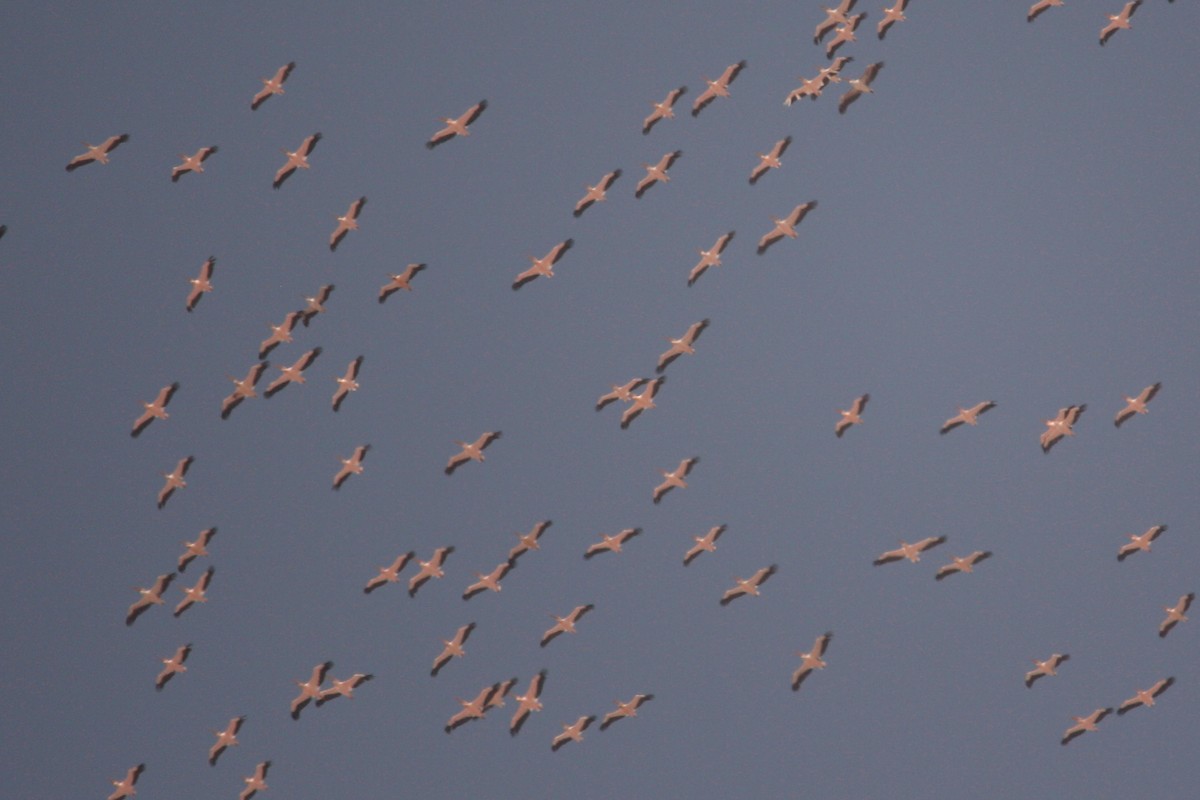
{"x":1011,"y":216}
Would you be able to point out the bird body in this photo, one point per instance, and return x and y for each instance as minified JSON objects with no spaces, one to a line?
{"x":964,"y":564}
{"x":400,"y":281}
{"x":174,"y":480}
{"x":351,"y":466}
{"x":172,"y":666}
{"x":704,"y":544}
{"x":565,"y":624}
{"x":429,"y":569}
{"x":456,"y":126}
{"x":624,"y":710}
{"x":225,"y":739}
{"x":572,"y":732}
{"x":910,"y":551}
{"x":717,"y":88}
{"x":1045,"y":669}
{"x":346,"y":223}
{"x":851,"y":416}
{"x":296,"y":159}
{"x":388,"y":574}
{"x":197,"y":548}
{"x":657,"y":172}
{"x":748,"y":585}
{"x":1176,"y":614}
{"x":712,"y":256}
{"x":201,"y":284}
{"x":471,"y":451}
{"x":611,"y":543}
{"x":596,"y":194}
{"x":272,"y":85}
{"x":293,"y":373}
{"x":347,"y":383}
{"x":675,"y":478}
{"x":528,"y":541}
{"x":192,"y":163}
{"x":155,"y":409}
{"x":151,"y":596}
{"x":242,"y":389}
{"x":544,"y":266}
{"x":684,"y":345}
{"x":811,"y":660}
{"x":1137,"y":405}
{"x":1085,"y":724}
{"x":310,"y":689}
{"x":663,"y":110}
{"x":97,"y":152}
{"x":967,"y":416}
{"x":785,"y":226}
{"x":528,"y":703}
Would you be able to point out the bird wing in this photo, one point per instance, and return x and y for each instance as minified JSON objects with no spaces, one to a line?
{"x":694,"y":330}
{"x":822,"y":642}
{"x":760,"y":577}
{"x":1148,"y":393}
{"x":557,"y":251}
{"x":526,"y":276}
{"x":800,"y":212}
{"x":485,"y":439}
{"x":889,"y":556}
{"x":309,"y":143}
{"x":1161,"y":686}
{"x":282,"y":174}
{"x":769,"y":239}
{"x":859,"y":404}
{"x":473,"y":113}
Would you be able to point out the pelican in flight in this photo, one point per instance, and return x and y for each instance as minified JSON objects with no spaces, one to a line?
{"x":597,"y":193}
{"x":859,"y":86}
{"x":351,"y":466}
{"x":172,"y":665}
{"x":964,"y":564}
{"x":97,"y":152}
{"x":624,"y":393}
{"x":786,"y":226}
{"x":124,"y":787}
{"x":272,"y":85}
{"x":717,"y":88}
{"x":174,"y":480}
{"x":712,"y":256}
{"x":809,"y":87}
{"x":749,"y":585}
{"x":842,"y":34}
{"x":811,"y":660}
{"x":663,"y":110}
{"x":472,"y":451}
{"x":675,"y":478}
{"x":400,"y":281}
{"x":196,"y":593}
{"x":225,"y":738}
{"x":472,"y":709}
{"x":452,"y":648}
{"x":910,"y":551}
{"x":347,"y":383}
{"x":346,"y":223}
{"x":310,"y":689}
{"x":967,"y":416}
{"x":1137,"y":405}
{"x":1117,"y":22}
{"x":769,"y":160}
{"x":1085,"y":724}
{"x":456,"y":127}
{"x":528,"y":703}
{"x":1175,"y":615}
{"x":851,"y":417}
{"x":343,"y":688}
{"x":280,"y":334}
{"x":1045,"y":669}
{"x":192,"y":163}
{"x":1034,"y":11}
{"x":624,"y":710}
{"x":193,"y":550}
{"x":429,"y":569}
{"x":156,"y":409}
{"x":657,"y":172}
{"x":1060,"y":426}
{"x":890,"y":17}
{"x":544,"y":266}
{"x":489,"y":582}
{"x":572,"y":732}
{"x":833,"y":17}
{"x":316,"y":304}
{"x":565,"y":624}
{"x":389,"y":574}
{"x":642,"y":402}
{"x":297,"y":159}
{"x":242,"y":389}
{"x":528,"y":541}
{"x":684,"y":344}
{"x":201,"y":284}
{"x":1145,"y":697}
{"x":611,"y":543}
{"x":293,"y":373}
{"x":147,"y":597}
{"x":501,"y":691}
{"x":704,"y":544}
{"x":1140,"y":541}
{"x":256,"y":782}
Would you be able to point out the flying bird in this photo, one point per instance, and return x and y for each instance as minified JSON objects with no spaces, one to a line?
{"x":712,"y":256}
{"x":456,"y":127}
{"x":544,"y":266}
{"x":565,"y":624}
{"x":964,"y":564}
{"x":471,"y":451}
{"x":193,"y":550}
{"x":156,"y":409}
{"x":1137,"y":405}
{"x":749,"y":585}
{"x":811,"y":660}
{"x":174,"y":480}
{"x":786,"y":226}
{"x":347,"y":383}
{"x":97,"y":152}
{"x":1140,"y":541}
{"x":842,"y":34}
{"x":316,"y":304}
{"x":890,"y":17}
{"x":657,"y":172}
{"x":225,"y":738}
{"x":293,"y":373}
{"x":242,"y":389}
{"x":611,"y":543}
{"x":400,"y":281}
{"x":147,"y":597}
{"x":717,"y":88}
{"x":572,"y":732}
{"x":201,"y":284}
{"x":967,"y":416}
{"x":472,"y":709}
{"x":489,"y":582}
{"x":272,"y":85}
{"x":833,"y":17}
{"x":389,"y":574}
{"x":343,"y":688}
{"x":297,"y":159}
{"x":1145,"y":697}
{"x":124,"y":787}
{"x":192,"y":163}
{"x":172,"y":665}
{"x":280,"y":334}
{"x":310,"y":689}
{"x":528,"y":541}
{"x":663,"y":110}
{"x":346,"y":223}
{"x":642,"y":402}
{"x":770,"y":159}
{"x":256,"y":782}
{"x":597,"y":193}
{"x":528,"y":703}
{"x":859,"y":86}
{"x":910,"y":551}
{"x":1034,"y":11}
{"x":452,"y":648}
{"x":351,"y":466}
{"x":809,"y":87}
{"x":1085,"y":724}
{"x":196,"y":593}
{"x":1175,"y":615}
{"x":1045,"y":669}
{"x":624,"y":710}
{"x":1116,"y":22}
{"x":704,"y":544}
{"x":853,"y":416}
{"x":1060,"y":426}
{"x":501,"y":691}
{"x":684,"y":344}
{"x":429,"y":569}
{"x":624,"y":393}
{"x":675,"y":478}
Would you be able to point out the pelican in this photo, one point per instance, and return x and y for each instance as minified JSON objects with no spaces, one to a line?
{"x":201,"y":284}
{"x":1137,"y":405}
{"x":197,"y":548}
{"x":195,"y":594}
{"x":491,"y":581}
{"x":528,"y":703}
{"x":292,"y":374}
{"x":192,"y":163}
{"x":1118,"y":22}
{"x":1060,"y":426}
{"x":641,"y":402}
{"x":1035,"y":10}
{"x":769,"y":160}
{"x":544,"y":266}
{"x":148,"y":597}
{"x":717,"y":88}
{"x":675,"y":478}
{"x":347,"y":383}
{"x":350,"y":466}
{"x":471,"y":451}
{"x":624,"y":393}
{"x":280,"y":334}
{"x":832,"y":72}
{"x":663,"y":110}
{"x":1175,"y":615}
{"x":597,"y":193}
{"x":623,"y":710}
{"x":98,"y":152}
{"x":809,"y":87}
{"x":853,"y":416}
{"x":225,"y":738}
{"x":457,"y":127}
{"x":528,"y":541}
{"x":174,"y":480}
{"x":1140,"y":541}
{"x":1045,"y":669}
{"x":842,"y":34}
{"x":400,"y":281}
{"x":833,"y":17}
{"x":565,"y":624}
{"x":316,"y":304}
{"x":967,"y":416}
{"x":172,"y":665}
{"x":684,"y":344}
{"x":811,"y":660}
{"x":389,"y":574}
{"x":910,"y":551}
{"x":749,"y":585}
{"x":346,"y":223}
{"x":343,"y":688}
{"x":453,"y":648}
{"x":272,"y":85}
{"x":1146,"y":697}
{"x":890,"y":17}
{"x":786,"y":226}
{"x":859,"y":86}
{"x":657,"y":172}
{"x":472,"y":709}
{"x":124,"y":787}
{"x":712,"y":256}
{"x":572,"y":732}
{"x":155,"y":409}
{"x":297,"y":159}
{"x":611,"y":543}
{"x":706,"y":543}
{"x":429,"y":569}
{"x":964,"y":564}
{"x":311,"y":689}
{"x":1084,"y":724}
{"x":501,"y":691}
{"x":256,"y":782}
{"x":242,"y":389}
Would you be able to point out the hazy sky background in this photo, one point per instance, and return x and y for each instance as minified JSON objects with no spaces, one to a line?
{"x":1011,"y":216}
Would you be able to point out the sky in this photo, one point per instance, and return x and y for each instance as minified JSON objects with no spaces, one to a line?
{"x":1010,"y":216}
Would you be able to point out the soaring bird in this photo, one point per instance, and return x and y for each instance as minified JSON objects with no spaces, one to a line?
{"x":472,"y":451}
{"x":675,"y":478}
{"x":704,"y":544}
{"x":1137,"y":405}
{"x":1117,"y":22}
{"x":544,"y":266}
{"x":528,"y":541}
{"x":429,"y":569}
{"x":172,"y":665}
{"x":964,"y":564}
{"x":565,"y":624}
{"x":192,"y":163}
{"x":684,"y":344}
{"x":147,"y":597}
{"x":196,"y":593}
{"x":642,"y":402}
{"x":611,"y":543}
{"x":346,"y":223}
{"x":452,"y":648}
{"x":456,"y":127}
{"x":842,"y":34}
{"x":1175,"y":615}
{"x":663,"y":110}
{"x":597,"y":193}
{"x":572,"y":732}
{"x":1045,"y":669}
{"x":1060,"y":426}
{"x":770,"y":159}
{"x":785,"y":226}
{"x":472,"y":709}
{"x":890,"y":17}
{"x":256,"y":782}
{"x":810,"y":87}
{"x":1034,"y":11}
{"x":528,"y":703}
{"x":501,"y":691}
{"x":490,"y":581}
{"x":657,"y":172}
{"x":389,"y":574}
{"x":272,"y":85}
{"x":624,"y":393}
{"x":1145,"y":697}
{"x":910,"y":551}
{"x":859,"y":86}
{"x":833,"y":17}
{"x":350,"y":466}
{"x":201,"y":284}
{"x":853,"y":416}
{"x":280,"y":334}
{"x":967,"y":416}
{"x":717,"y":88}
{"x":347,"y":383}
{"x":199,"y":547}
{"x":310,"y":689}
{"x":343,"y":688}
{"x":749,"y":585}
{"x":97,"y":152}
{"x":174,"y":480}
{"x":1085,"y":724}
{"x":124,"y":787}
{"x":297,"y":159}
{"x":293,"y":373}
{"x":225,"y":738}
{"x":811,"y":660}
{"x":316,"y":304}
{"x":1140,"y":541}
{"x":242,"y":389}
{"x":624,"y":710}
{"x":400,"y":281}
{"x":156,"y":409}
{"x":712,"y":256}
